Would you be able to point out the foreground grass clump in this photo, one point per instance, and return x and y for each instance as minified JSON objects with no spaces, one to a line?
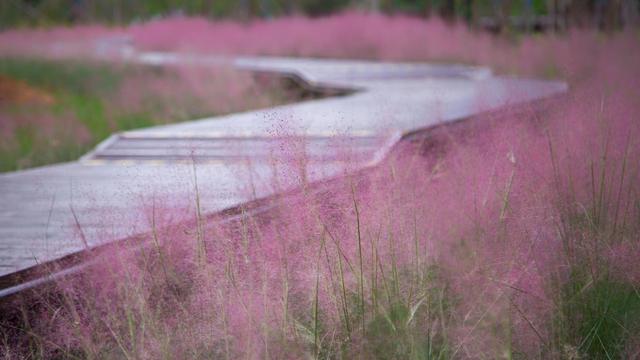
{"x":599,"y":317}
{"x":54,"y":110}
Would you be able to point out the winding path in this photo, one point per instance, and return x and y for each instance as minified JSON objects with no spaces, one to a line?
{"x":107,"y":193}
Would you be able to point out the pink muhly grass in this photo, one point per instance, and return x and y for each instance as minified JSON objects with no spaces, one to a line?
{"x":463,"y":244}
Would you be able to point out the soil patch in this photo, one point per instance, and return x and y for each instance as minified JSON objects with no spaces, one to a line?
{"x":13,"y":91}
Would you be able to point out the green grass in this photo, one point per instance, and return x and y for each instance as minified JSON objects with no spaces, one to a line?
{"x":74,"y":77}
{"x":404,"y":330}
{"x":595,"y":317}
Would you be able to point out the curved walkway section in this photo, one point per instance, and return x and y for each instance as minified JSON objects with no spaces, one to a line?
{"x":51,"y":212}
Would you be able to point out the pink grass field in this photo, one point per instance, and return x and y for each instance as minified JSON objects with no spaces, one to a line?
{"x":348,"y":35}
{"x":465,"y":243}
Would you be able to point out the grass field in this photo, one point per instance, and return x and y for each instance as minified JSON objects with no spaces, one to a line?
{"x":511,"y":236}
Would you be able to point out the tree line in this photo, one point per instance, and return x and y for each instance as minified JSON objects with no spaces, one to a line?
{"x":496,"y":15}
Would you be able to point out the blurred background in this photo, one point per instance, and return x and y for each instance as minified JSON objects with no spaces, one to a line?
{"x":63,"y":88}
{"x":494,"y":15}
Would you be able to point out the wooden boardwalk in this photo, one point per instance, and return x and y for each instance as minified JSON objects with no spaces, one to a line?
{"x":105,"y":193}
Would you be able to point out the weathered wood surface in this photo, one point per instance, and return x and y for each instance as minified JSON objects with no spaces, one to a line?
{"x":110,"y":189}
